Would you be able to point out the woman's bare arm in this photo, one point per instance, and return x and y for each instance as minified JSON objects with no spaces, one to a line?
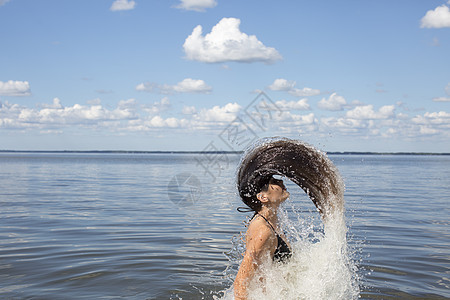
{"x":259,"y":243}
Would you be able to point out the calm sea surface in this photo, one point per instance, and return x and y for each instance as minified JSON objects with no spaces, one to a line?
{"x":157,"y":226}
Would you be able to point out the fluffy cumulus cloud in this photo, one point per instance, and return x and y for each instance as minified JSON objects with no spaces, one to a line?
{"x":289,"y":119}
{"x":119,"y":5}
{"x":304,"y":92}
{"x":196,"y":5}
{"x":342,"y":125}
{"x":226,"y":43}
{"x":438,"y":118}
{"x":187,"y":85}
{"x":432,"y":124}
{"x":364,"y":121}
{"x":286,"y":123}
{"x":367,"y":112}
{"x":15,"y":88}
{"x":437,"y":18}
{"x":282,"y":84}
{"x":128,"y":115}
{"x":301,"y":104}
{"x":158,"y":107}
{"x":355,"y":120}
{"x":56,"y":115}
{"x":197,"y":119}
{"x":226,"y":113}
{"x":158,"y":121}
{"x":333,"y":103}
{"x":147,"y":87}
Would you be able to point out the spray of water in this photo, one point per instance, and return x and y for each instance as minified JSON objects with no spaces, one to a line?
{"x":321,"y":266}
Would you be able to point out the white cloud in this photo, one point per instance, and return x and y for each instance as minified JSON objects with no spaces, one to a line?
{"x":281,"y":84}
{"x":342,"y":124}
{"x":364,"y":121}
{"x":56,"y":104}
{"x":304,"y":92}
{"x":203,"y":119}
{"x":187,"y":85}
{"x":427,"y":130}
{"x":437,"y":118}
{"x":437,"y":18}
{"x":15,"y":88}
{"x":146,"y":87}
{"x":334,"y":103}
{"x":127,"y":104}
{"x":158,"y":121}
{"x":432,"y":123}
{"x":56,"y":115}
{"x":190,"y":85}
{"x":3,"y":2}
{"x":367,"y":112}
{"x":442,"y":115}
{"x":189,"y":110}
{"x":197,"y":5}
{"x":172,"y":122}
{"x":158,"y":107}
{"x":288,"y":123}
{"x":165,"y":102}
{"x":128,"y":115}
{"x":301,"y":104}
{"x":119,"y":5}
{"x":294,"y":119}
{"x":225,"y":113}
{"x":305,"y":119}
{"x":441,"y":99}
{"x":225,"y":43}
{"x":447,"y":89}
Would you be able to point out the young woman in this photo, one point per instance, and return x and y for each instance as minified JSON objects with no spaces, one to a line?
{"x":305,"y":166}
{"x":264,"y":241}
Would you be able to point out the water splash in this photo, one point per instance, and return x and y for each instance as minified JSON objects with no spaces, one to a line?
{"x":321,"y":266}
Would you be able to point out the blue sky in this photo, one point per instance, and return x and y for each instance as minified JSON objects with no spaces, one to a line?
{"x":173,"y":75}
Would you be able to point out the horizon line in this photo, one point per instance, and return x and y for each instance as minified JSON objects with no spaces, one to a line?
{"x":215,"y":152}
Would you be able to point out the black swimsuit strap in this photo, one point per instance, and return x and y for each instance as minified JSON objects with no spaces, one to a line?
{"x":268,"y":223}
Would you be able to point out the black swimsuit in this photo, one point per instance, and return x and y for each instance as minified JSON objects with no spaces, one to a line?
{"x":282,"y":252}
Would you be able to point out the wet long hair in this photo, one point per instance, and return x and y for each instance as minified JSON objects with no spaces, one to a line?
{"x":304,"y":165}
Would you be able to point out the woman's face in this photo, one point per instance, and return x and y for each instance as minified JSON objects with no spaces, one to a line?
{"x":277,"y":191}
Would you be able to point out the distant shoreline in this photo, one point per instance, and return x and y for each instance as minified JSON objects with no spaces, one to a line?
{"x":205,"y":152}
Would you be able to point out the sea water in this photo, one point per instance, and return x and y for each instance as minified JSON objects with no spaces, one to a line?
{"x":165,"y":226}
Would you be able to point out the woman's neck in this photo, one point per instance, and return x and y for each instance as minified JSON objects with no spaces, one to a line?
{"x":270,"y":213}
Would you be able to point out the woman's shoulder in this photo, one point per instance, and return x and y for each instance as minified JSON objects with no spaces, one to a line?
{"x":259,"y":237}
{"x":259,"y":227}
